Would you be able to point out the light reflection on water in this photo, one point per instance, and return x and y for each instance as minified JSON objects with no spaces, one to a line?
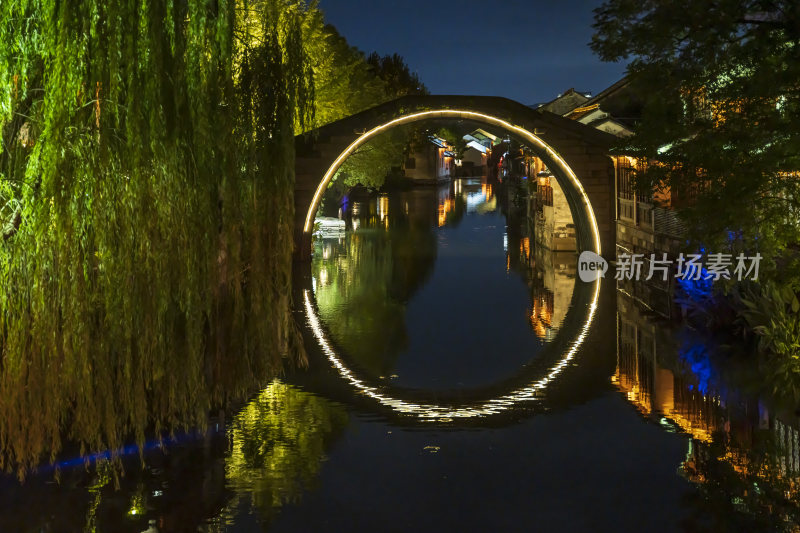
{"x":442,"y":412}
{"x":419,"y":303}
{"x":467,"y":254}
{"x":436,"y":305}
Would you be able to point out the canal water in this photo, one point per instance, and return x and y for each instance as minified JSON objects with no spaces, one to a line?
{"x":457,"y":378}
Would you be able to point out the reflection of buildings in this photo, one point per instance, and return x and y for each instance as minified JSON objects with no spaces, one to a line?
{"x":382,"y":206}
{"x":550,"y":274}
{"x":446,"y":206}
{"x":655,"y":378}
{"x":418,"y":206}
{"x":549,"y":212}
{"x":468,"y":195}
{"x":542,"y":311}
{"x":552,"y":281}
{"x":646,"y":223}
{"x":644,"y":376}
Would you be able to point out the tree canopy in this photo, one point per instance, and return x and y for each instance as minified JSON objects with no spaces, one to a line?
{"x":720,"y":81}
{"x":146,"y":175}
{"x":146,"y":202}
{"x":346,"y":81}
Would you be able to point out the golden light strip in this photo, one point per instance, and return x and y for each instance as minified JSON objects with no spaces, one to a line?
{"x":585,"y":108}
{"x":431,"y":411}
{"x":452,"y":113}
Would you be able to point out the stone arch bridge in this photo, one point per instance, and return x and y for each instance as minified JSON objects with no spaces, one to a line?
{"x":576,"y":154}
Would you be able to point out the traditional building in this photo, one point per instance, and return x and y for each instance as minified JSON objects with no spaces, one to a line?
{"x":432,"y":163}
{"x":565,"y":102}
{"x":614,"y":110}
{"x":482,"y":137}
{"x":474,"y":160}
{"x":645,"y":222}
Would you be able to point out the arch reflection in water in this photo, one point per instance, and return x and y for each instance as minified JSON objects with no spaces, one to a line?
{"x":434,"y":411}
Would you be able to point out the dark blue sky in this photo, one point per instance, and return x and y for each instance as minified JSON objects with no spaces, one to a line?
{"x":525,"y":50}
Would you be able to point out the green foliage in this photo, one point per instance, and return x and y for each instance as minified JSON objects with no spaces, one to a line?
{"x":148,"y":152}
{"x":146,"y":196}
{"x":772,"y":312}
{"x":746,"y":486}
{"x":721,"y":111}
{"x":373,"y":161}
{"x":397,"y":77}
{"x":454,"y":139}
{"x":346,"y":83}
{"x":278,"y":444}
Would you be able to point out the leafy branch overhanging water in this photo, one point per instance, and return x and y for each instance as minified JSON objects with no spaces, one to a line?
{"x":146,"y":175}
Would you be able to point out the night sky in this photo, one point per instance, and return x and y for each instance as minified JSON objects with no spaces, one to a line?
{"x":529,"y":51}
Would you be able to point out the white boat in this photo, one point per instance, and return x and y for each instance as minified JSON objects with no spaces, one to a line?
{"x":329,"y":226}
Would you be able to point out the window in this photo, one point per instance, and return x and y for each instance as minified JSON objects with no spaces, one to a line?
{"x":624,"y":179}
{"x":544,"y":195}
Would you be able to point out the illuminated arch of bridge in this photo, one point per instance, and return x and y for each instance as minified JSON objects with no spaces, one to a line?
{"x":575,"y":153}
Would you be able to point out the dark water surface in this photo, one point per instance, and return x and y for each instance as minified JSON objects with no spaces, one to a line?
{"x":458,"y":379}
{"x":482,"y":316}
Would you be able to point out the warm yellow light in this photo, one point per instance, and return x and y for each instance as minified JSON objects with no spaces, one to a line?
{"x":453,"y":113}
{"x":383,"y":206}
{"x":446,"y":206}
{"x":525,"y":247}
{"x":584,"y":108}
{"x":694,"y":424}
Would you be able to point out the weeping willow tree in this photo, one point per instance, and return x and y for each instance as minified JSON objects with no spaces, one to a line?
{"x":146,"y":182}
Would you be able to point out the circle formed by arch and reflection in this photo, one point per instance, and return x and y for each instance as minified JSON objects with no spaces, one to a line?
{"x":588,"y":237}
